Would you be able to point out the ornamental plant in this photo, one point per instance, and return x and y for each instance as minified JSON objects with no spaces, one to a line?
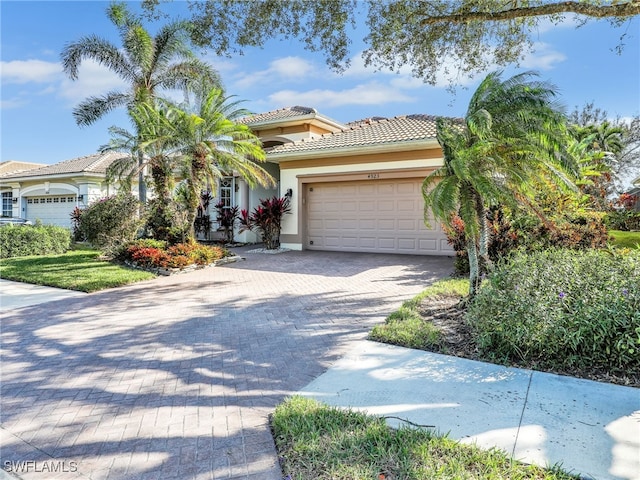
{"x":156,"y":254}
{"x":111,"y":221}
{"x":266,"y":219}
{"x":227,"y":218}
{"x":562,"y":310}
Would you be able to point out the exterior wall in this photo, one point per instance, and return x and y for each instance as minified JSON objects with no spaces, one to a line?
{"x":392,"y":165}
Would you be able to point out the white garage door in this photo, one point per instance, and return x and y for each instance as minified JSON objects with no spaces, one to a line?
{"x":372,"y":216}
{"x":51,"y":209}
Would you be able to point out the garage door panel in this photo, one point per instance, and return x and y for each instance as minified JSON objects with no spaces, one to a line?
{"x":371,"y":216}
{"x":386,"y":224}
{"x":409,"y":188}
{"x":405,"y":224}
{"x":407,"y":243}
{"x":386,"y":206}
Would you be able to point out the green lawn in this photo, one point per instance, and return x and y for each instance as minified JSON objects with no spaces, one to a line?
{"x":77,"y":269}
{"x":625,"y":239}
{"x":319,"y":442}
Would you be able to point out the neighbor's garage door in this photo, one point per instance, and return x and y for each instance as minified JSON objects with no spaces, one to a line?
{"x":51,"y":210}
{"x":371,"y":216}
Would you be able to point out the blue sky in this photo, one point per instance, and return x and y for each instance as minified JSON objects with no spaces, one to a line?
{"x":37,"y":99}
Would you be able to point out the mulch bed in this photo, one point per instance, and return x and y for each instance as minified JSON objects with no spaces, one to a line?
{"x":447,"y":313}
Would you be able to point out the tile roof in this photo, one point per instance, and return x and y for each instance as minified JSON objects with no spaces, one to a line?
{"x":371,"y":131}
{"x":96,"y":163}
{"x":13,"y":166}
{"x":287,"y":113}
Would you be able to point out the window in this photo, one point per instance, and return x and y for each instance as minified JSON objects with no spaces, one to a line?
{"x":226,"y":191}
{"x":7,"y":204}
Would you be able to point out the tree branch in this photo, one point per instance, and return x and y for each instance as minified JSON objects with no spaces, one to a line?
{"x":617,"y":10}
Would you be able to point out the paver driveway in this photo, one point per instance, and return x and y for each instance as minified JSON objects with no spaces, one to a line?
{"x":175,"y":378}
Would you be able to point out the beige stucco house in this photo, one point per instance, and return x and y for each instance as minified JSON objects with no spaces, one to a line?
{"x":353,"y":187}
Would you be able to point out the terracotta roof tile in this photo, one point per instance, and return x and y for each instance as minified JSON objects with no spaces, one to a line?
{"x":277,"y":115}
{"x":96,"y":163}
{"x":372,"y":131}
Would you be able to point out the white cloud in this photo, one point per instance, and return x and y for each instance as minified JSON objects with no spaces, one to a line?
{"x":404,"y":77}
{"x":372,"y":93}
{"x":7,"y":104}
{"x":542,"y":57}
{"x":287,"y":68}
{"x":30,"y":71}
{"x":93,"y":79}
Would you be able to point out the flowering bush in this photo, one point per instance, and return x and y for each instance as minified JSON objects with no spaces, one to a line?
{"x":562,"y":309}
{"x":156,"y":254}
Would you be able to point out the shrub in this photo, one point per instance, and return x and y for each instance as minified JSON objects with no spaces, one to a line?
{"x":111,"y":221}
{"x":518,"y":231}
{"x":266,"y":218}
{"x":625,"y":220}
{"x":19,"y":241}
{"x":156,"y":254}
{"x":561,"y":310}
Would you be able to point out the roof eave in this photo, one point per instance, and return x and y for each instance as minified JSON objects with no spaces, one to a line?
{"x":53,"y":176}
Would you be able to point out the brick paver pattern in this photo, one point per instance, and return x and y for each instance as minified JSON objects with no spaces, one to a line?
{"x":174,"y":378}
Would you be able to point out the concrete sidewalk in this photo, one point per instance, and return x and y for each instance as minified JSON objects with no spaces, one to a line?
{"x":17,"y":295}
{"x":588,"y":427}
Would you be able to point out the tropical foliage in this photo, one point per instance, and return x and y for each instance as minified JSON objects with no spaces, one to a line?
{"x":513,"y":135}
{"x":200,"y":142}
{"x":266,"y":219}
{"x":147,"y":63}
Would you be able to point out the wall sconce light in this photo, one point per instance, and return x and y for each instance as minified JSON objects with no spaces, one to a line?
{"x":81,"y":198}
{"x":14,"y":199}
{"x":289,"y":193}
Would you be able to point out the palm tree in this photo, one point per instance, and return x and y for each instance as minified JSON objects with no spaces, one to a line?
{"x":211,"y":144}
{"x":146,"y":63}
{"x":599,"y":147}
{"x":513,"y":133}
{"x":152,"y":147}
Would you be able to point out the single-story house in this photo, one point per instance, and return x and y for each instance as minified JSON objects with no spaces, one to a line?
{"x":353,"y":187}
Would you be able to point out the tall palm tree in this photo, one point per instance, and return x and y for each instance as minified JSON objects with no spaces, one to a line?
{"x":146,"y":63}
{"x":513,"y":132}
{"x":211,"y":144}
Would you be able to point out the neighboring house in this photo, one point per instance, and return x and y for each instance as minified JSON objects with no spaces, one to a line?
{"x":353,"y":187}
{"x":51,"y":192}
{"x":635,"y":190}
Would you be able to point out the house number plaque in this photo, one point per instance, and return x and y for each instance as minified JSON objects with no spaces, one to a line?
{"x":373,"y":176}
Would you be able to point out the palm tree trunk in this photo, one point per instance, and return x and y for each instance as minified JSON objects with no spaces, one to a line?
{"x":474,"y":275}
{"x":485,"y":238}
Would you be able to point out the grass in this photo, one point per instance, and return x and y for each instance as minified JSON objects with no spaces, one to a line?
{"x":407,"y":328}
{"x":625,"y":239}
{"x":320,"y":442}
{"x":78,"y":269}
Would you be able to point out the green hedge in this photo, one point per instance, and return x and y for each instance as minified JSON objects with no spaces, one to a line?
{"x":20,"y":241}
{"x":562,"y":310}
